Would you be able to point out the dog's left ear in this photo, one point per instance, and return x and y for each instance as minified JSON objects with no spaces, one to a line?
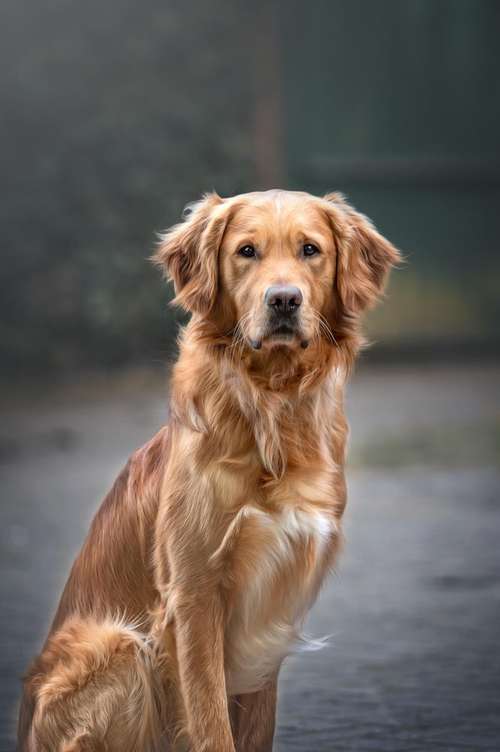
{"x":188,"y":254}
{"x":364,"y":257}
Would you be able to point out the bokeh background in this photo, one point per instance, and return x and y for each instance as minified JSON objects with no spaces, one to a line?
{"x":117,"y":113}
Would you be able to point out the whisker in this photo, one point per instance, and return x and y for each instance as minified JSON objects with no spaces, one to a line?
{"x":237,"y":345}
{"x":325,"y":327}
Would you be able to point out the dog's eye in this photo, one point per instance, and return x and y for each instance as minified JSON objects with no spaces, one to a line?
{"x":248,"y":251}
{"x":310,"y":250}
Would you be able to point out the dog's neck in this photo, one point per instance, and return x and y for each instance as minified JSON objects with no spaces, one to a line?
{"x":274,"y":399}
{"x":282,"y":368}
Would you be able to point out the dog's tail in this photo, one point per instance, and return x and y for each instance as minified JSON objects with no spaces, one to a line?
{"x":94,"y":687}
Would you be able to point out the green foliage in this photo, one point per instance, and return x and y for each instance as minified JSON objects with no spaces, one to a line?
{"x":119,"y":113}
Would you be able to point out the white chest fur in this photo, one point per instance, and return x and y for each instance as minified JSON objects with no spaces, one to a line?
{"x":279,"y":557}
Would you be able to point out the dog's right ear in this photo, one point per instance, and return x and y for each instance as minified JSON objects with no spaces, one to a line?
{"x":188,"y":254}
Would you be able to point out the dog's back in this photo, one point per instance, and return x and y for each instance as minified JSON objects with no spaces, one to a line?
{"x":105,"y":606}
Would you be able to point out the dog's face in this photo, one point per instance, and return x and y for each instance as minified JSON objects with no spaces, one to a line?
{"x":276,"y":269}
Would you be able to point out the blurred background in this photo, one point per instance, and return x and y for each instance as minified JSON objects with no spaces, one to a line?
{"x":117,"y":113}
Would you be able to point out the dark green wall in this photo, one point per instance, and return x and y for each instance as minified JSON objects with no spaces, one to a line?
{"x":397,"y":104}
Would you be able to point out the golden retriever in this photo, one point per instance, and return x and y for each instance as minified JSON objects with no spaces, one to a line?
{"x":206,"y":555}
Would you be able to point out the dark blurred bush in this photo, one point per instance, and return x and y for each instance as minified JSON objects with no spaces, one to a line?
{"x":116,"y":114}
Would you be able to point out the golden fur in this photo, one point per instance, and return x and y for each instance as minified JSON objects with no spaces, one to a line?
{"x":207,"y":553}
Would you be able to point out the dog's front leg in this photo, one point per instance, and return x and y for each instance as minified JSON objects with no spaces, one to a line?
{"x":254,"y":719}
{"x":199,"y":632}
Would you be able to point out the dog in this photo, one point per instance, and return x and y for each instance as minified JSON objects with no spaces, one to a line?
{"x":210,"y":549}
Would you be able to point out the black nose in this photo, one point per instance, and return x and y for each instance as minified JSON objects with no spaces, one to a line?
{"x":283,"y":298}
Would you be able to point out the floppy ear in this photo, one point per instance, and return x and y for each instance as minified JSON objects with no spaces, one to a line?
{"x":364,"y":257}
{"x":188,"y":254}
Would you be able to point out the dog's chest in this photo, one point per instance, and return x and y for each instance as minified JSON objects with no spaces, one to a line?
{"x":276,"y":567}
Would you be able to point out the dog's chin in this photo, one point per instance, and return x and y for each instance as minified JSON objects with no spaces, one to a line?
{"x":282,"y":336}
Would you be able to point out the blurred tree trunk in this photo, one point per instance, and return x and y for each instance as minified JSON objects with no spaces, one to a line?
{"x":269,"y":121}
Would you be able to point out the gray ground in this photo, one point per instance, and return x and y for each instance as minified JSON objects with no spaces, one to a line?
{"x":414,"y":610}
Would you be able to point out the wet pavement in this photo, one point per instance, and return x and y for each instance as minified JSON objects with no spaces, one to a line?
{"x":414,"y":607}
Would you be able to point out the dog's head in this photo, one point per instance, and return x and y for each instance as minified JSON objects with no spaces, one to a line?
{"x":276,"y":269}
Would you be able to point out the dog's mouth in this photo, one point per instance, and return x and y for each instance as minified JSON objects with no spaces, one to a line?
{"x":283,"y":331}
{"x":281,"y":334}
